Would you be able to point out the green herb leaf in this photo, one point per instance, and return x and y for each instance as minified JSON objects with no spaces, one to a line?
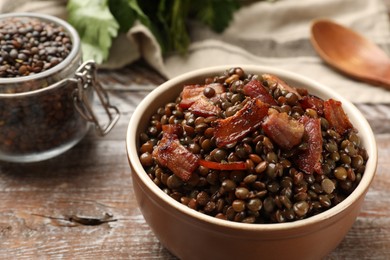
{"x":98,"y":21}
{"x":95,"y":25}
{"x":215,"y":13}
{"x":173,"y":14}
{"x":151,"y":10}
{"x":126,"y":12}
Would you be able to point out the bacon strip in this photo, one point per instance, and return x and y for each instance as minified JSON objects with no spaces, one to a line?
{"x":281,"y":84}
{"x":172,"y":129}
{"x":191,"y":93}
{"x":234,"y":128}
{"x":282,"y":130}
{"x":255,"y":89}
{"x":172,"y":154}
{"x":336,"y":116}
{"x":203,"y":107}
{"x":313,"y":102}
{"x":309,"y":160}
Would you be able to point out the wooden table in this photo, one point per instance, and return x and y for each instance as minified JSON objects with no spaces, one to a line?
{"x":81,"y":204}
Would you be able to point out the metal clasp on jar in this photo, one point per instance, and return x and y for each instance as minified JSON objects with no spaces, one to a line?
{"x":85,"y":78}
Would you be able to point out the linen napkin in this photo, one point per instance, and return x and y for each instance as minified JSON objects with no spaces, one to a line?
{"x":273,"y":33}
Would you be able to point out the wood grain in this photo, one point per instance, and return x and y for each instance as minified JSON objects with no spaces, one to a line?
{"x":80,"y":205}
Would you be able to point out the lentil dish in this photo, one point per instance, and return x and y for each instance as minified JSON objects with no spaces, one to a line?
{"x":253,"y":149}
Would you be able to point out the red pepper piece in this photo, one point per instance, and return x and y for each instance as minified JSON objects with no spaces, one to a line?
{"x":284,"y":131}
{"x":234,"y":128}
{"x":255,"y":89}
{"x":334,"y":113}
{"x":203,"y":107}
{"x":313,"y":102}
{"x":309,"y":160}
{"x":271,"y":79}
{"x":191,"y":93}
{"x":172,"y":154}
{"x":230,"y":166}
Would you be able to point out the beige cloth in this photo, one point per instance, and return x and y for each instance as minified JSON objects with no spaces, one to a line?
{"x":265,"y":33}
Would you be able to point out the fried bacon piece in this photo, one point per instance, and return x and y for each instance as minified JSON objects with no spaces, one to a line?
{"x":313,"y":102}
{"x":191,"y":93}
{"x":272,"y":79}
{"x":255,"y":89}
{"x":203,"y":107}
{"x":334,"y":113}
{"x":172,"y":129}
{"x":234,"y":128}
{"x":284,"y":131}
{"x":229,"y":166}
{"x":172,"y":154}
{"x":309,"y":160}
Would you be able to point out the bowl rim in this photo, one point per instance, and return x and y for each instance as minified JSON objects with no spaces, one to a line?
{"x":364,"y":130}
{"x":76,"y":45}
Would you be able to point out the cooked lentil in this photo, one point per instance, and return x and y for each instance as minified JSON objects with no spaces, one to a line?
{"x":272,"y":189}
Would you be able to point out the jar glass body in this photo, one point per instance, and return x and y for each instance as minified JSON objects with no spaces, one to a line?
{"x":38,"y":119}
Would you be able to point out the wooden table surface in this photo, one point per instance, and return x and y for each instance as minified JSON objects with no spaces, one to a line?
{"x":80,"y":205}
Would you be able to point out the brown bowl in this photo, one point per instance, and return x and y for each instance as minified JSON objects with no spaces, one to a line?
{"x":189,"y":234}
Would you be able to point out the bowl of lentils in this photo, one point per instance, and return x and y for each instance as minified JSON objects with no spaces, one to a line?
{"x":249,"y":162}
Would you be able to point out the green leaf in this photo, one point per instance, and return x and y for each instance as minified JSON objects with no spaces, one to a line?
{"x":151,"y":10}
{"x":173,"y":14}
{"x":141,"y":16}
{"x":98,"y":21}
{"x":126,"y":12}
{"x":215,"y":13}
{"x":92,"y":52}
{"x":95,"y":25}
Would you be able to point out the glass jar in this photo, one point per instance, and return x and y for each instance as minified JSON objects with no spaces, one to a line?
{"x":44,"y":114}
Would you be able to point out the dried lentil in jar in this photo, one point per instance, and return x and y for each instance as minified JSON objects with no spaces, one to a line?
{"x":252,"y":173}
{"x":39,"y":56}
{"x":30,"y":46}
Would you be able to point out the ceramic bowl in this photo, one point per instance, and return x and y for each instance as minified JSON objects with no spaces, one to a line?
{"x":189,"y":234}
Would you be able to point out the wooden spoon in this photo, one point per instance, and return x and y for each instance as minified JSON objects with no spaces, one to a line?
{"x":351,"y":53}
